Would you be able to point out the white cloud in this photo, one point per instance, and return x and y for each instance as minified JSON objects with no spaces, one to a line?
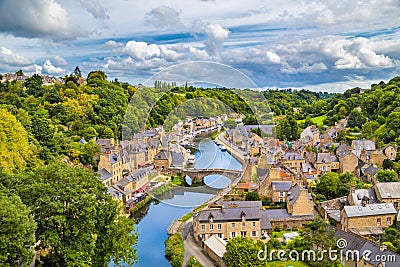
{"x":141,"y":50}
{"x":8,"y":57}
{"x":216,"y":35}
{"x":36,"y":19}
{"x":272,"y":57}
{"x":60,"y":61}
{"x":304,"y":68}
{"x":95,"y":9}
{"x":164,"y":17}
{"x":49,"y":68}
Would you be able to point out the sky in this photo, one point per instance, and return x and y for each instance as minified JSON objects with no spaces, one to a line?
{"x":319,"y":45}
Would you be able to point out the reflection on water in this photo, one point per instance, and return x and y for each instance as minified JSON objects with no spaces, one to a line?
{"x":153,"y":224}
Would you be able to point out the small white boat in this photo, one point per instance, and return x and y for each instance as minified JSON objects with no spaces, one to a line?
{"x":223,"y":148}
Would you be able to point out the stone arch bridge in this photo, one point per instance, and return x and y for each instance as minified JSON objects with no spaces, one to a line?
{"x":197,"y":175}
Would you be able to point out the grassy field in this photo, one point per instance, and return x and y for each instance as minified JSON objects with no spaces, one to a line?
{"x":319,"y":121}
{"x":287,"y":263}
{"x":276,"y":234}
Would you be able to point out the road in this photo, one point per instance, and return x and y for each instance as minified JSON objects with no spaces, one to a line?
{"x":191,"y":247}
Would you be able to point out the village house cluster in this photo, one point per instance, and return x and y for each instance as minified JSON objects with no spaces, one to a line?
{"x":127,"y":167}
{"x":283,"y":173}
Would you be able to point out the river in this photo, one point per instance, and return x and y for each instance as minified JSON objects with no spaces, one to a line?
{"x":155,"y":218}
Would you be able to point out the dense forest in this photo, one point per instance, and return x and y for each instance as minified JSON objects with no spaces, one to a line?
{"x":42,"y":152}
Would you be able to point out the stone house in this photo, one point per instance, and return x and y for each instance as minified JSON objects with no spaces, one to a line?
{"x":227,"y":220}
{"x":162,"y":160}
{"x":310,"y":135}
{"x":326,"y":162}
{"x":353,"y":255}
{"x":388,"y":193}
{"x":280,"y":190}
{"x":112,"y":162}
{"x":293,"y":160}
{"x":348,"y":161}
{"x":276,"y":173}
{"x":308,"y":173}
{"x":299,"y":201}
{"x":299,"y":211}
{"x":367,"y":220}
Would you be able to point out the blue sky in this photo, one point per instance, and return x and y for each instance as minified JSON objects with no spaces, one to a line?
{"x":319,"y":45}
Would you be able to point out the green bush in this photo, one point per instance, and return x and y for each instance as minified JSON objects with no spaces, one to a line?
{"x":175,"y":250}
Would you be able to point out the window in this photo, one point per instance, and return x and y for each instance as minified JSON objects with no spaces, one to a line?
{"x":396,"y":204}
{"x":233,"y":225}
{"x":253,"y":233}
{"x":220,"y":235}
{"x":280,"y":199}
{"x":243,"y":224}
{"x":388,"y":220}
{"x":243,"y":233}
{"x":219,"y":226}
{"x":378,"y":221}
{"x":211,"y":226}
{"x":254,"y":224}
{"x":233,"y":234}
{"x":281,"y":194}
{"x":203,"y":227}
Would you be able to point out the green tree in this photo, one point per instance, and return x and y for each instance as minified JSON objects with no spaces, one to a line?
{"x":42,"y":128}
{"x":387,"y":176}
{"x":174,"y":250}
{"x":15,"y":151}
{"x":288,"y":129}
{"x":252,"y":196}
{"x":89,"y":133}
{"x":242,"y":251}
{"x":328,"y":185}
{"x":34,"y":86}
{"x":77,"y":221}
{"x":388,"y":164}
{"x":16,"y":231}
{"x":19,"y":73}
{"x":356,"y":119}
{"x":230,"y":124}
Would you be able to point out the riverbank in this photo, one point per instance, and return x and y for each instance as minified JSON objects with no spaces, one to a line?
{"x":234,"y":151}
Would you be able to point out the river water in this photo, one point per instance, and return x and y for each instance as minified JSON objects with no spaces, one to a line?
{"x":155,"y":218}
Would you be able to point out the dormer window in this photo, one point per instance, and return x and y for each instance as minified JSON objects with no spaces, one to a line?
{"x":243,"y":216}
{"x":210,"y":218}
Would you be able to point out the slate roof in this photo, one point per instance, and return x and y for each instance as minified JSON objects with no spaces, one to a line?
{"x":371,"y":170}
{"x":370,"y":210}
{"x":306,"y":167}
{"x":252,"y":211}
{"x":177,"y":159}
{"x":281,"y":186}
{"x":114,"y":158}
{"x":104,"y":174}
{"x":326,"y":158}
{"x":359,"y":194}
{"x":153,"y":142}
{"x":278,"y":214}
{"x":163,"y":154}
{"x":362,"y":245}
{"x":389,"y":189}
{"x":292,"y":156}
{"x":294,"y":194}
{"x":243,"y":204}
{"x":342,"y":150}
{"x":363,"y":144}
{"x":262,"y":173}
